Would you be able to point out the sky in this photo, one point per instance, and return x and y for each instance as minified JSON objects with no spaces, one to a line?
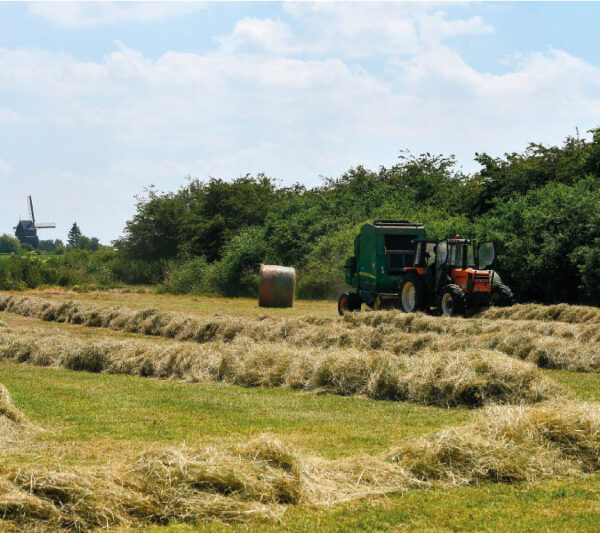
{"x":100,"y":100}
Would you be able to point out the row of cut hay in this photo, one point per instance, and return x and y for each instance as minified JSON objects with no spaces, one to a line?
{"x":509,"y":444}
{"x":503,"y":444}
{"x":443,"y":378}
{"x":301,"y":330}
{"x":260,"y":478}
{"x":306,"y":330}
{"x":157,"y":487}
{"x":547,"y":344}
{"x":224,"y":327}
{"x":575,"y":314}
{"x":387,"y":322}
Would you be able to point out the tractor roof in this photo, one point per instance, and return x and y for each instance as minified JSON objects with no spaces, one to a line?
{"x":459,"y":241}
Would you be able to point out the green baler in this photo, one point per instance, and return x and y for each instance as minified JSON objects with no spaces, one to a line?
{"x":381,"y":250}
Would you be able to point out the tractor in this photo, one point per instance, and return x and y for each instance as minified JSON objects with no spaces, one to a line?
{"x":396,"y":266}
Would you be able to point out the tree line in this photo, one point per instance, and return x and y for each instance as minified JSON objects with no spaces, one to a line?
{"x":540,"y":206}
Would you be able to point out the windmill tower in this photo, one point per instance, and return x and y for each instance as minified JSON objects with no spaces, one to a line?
{"x":26,"y":230}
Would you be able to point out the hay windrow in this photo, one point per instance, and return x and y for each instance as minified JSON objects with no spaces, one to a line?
{"x":509,"y":444}
{"x":574,"y":314}
{"x":444,"y":378}
{"x":549,"y":344}
{"x":503,"y":444}
{"x":157,"y":487}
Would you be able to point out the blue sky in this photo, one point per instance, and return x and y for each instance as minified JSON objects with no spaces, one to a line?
{"x":99,"y":100}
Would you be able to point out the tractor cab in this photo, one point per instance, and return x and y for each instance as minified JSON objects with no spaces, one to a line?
{"x":468,"y":267}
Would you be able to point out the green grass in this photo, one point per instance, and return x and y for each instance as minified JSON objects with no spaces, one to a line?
{"x":585,"y":386}
{"x":110,"y":408}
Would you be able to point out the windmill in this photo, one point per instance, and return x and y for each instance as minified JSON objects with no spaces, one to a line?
{"x":26,"y":230}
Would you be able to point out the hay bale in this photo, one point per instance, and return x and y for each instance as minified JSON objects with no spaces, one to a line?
{"x":277,"y":286}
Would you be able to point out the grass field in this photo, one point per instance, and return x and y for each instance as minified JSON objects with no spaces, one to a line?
{"x":101,"y":422}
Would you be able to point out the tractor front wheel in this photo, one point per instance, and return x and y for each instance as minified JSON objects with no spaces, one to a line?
{"x":349,"y":302}
{"x":502,"y":296}
{"x":452,"y":301}
{"x":412,"y":295}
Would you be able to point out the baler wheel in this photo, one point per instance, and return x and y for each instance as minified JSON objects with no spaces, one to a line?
{"x":349,"y":302}
{"x":412,"y":295}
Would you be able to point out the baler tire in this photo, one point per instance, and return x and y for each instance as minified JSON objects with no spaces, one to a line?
{"x":355,"y":301}
{"x":418,"y":297}
{"x":348,"y":303}
{"x":452,"y":301}
{"x":502,"y":296}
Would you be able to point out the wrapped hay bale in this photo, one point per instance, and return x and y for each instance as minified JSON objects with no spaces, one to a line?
{"x":277,"y":286}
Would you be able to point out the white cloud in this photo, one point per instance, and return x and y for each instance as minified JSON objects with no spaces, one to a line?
{"x":272,"y":98}
{"x":363,"y":29}
{"x":252,"y":34}
{"x":98,"y":13}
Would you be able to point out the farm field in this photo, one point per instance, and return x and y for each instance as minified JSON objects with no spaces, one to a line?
{"x":132,"y":410}
{"x":190,"y":305}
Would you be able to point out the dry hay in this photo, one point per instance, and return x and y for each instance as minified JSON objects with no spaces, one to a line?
{"x":575,"y":314}
{"x":277,"y":286}
{"x":550,"y":344}
{"x":8,"y":412}
{"x":157,"y":487}
{"x":509,"y":444}
{"x":443,"y":378}
{"x":503,"y":444}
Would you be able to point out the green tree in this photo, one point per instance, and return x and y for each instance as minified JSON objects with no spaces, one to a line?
{"x":9,"y":244}
{"x":74,"y":236}
{"x":52,"y":246}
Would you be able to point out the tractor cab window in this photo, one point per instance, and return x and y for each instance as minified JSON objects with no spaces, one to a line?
{"x":487,"y":255}
{"x":425,"y":255}
{"x":471,"y":256}
{"x":455,"y":252}
{"x":441,"y":253}
{"x":430,"y":253}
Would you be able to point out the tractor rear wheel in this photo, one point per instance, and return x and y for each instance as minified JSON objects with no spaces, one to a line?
{"x":412,"y":295}
{"x":349,"y":302}
{"x":502,"y":296}
{"x":452,"y":301}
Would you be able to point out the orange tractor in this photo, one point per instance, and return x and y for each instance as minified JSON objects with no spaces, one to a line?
{"x":452,"y":275}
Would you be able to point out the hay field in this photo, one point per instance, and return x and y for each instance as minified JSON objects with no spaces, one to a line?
{"x":131,"y":410}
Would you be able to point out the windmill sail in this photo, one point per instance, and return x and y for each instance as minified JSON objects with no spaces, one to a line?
{"x":30,"y":206}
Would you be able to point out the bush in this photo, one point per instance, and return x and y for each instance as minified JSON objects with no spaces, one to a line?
{"x":185,"y":278}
